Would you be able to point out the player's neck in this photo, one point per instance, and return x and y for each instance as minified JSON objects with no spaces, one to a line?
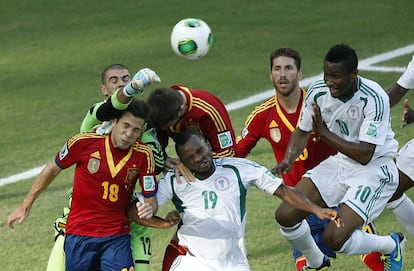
{"x":204,"y":175}
{"x":290,"y":102}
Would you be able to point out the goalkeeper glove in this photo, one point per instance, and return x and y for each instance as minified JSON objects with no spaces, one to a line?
{"x":141,"y":79}
{"x":407,"y":78}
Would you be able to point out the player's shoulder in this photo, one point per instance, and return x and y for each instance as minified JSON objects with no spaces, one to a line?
{"x":235,"y":162}
{"x":264,"y":106}
{"x":317,"y":87}
{"x":370,"y":88}
{"x":141,"y":147}
{"x":81,"y":137}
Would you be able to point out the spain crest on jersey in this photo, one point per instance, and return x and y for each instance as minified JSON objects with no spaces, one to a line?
{"x":131,"y":177}
{"x":93,"y":165}
{"x":275,"y":134}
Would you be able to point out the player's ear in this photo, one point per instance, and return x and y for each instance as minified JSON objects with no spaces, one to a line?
{"x":182,"y":110}
{"x":210,"y":148}
{"x":104,"y":91}
{"x":300,"y":73}
{"x":354,"y":74}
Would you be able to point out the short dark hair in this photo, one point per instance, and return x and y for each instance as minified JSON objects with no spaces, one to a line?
{"x":137,"y":108}
{"x":184,"y":136}
{"x":342,"y":53}
{"x":288,"y":52}
{"x":112,"y":67}
{"x":164,"y":105}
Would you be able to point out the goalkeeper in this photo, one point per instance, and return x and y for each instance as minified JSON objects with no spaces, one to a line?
{"x":118,"y":91}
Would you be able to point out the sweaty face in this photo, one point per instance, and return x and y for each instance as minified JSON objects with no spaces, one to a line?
{"x":285,"y":75}
{"x":114,"y":79}
{"x":341,"y":83}
{"x":196,"y":156}
{"x":126,"y":130}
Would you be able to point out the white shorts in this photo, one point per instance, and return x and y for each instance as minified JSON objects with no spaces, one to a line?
{"x":191,"y":263}
{"x":405,"y":159}
{"x":365,"y":189}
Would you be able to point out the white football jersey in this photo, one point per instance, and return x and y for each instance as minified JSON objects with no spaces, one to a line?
{"x":363,"y":117}
{"x":214,"y":209}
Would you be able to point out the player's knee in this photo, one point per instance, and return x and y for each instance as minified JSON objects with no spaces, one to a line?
{"x":284,"y":215}
{"x":333,"y":240}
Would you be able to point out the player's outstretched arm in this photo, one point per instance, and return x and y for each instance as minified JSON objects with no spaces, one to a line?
{"x":395,"y":93}
{"x":403,"y":84}
{"x":42,"y":181}
{"x":153,"y":222}
{"x":299,"y":200}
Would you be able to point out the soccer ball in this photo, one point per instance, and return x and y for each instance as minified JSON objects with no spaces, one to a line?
{"x":191,"y":38}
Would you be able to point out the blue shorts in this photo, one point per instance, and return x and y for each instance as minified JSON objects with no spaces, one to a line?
{"x":112,"y":253}
{"x":317,"y":227}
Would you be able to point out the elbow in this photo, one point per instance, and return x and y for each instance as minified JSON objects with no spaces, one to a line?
{"x":365,"y":159}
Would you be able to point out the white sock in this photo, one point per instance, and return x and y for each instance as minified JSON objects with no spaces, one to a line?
{"x":403,"y":209}
{"x":299,"y":236}
{"x":361,"y":242}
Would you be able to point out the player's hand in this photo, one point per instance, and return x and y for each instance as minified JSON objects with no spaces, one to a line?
{"x":408,"y":114}
{"x":329,"y":214}
{"x":144,"y":210}
{"x":19,"y":214}
{"x":282,"y":167}
{"x":141,"y":79}
{"x":173,"y":216}
{"x":146,"y":76}
{"x":317,"y":122}
{"x":179,"y":168}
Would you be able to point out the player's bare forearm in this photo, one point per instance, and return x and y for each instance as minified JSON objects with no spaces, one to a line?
{"x":45,"y":177}
{"x":42,"y":181}
{"x":395,"y":93}
{"x":299,"y":200}
{"x":154,"y":222}
{"x":295,"y":198}
{"x":361,"y":152}
{"x":296,"y":145}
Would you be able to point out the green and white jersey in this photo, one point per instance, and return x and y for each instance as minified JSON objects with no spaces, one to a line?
{"x":214,"y":209}
{"x":363,"y":117}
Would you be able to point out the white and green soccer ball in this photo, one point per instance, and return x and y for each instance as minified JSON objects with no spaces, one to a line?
{"x":191,"y":38}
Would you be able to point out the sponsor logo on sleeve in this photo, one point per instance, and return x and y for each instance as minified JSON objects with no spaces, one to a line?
{"x":148,"y":183}
{"x":372,"y":130}
{"x":225,"y":139}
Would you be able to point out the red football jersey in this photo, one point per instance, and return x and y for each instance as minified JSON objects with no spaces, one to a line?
{"x":104,"y":180}
{"x":270,"y":121}
{"x":207,"y":114}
